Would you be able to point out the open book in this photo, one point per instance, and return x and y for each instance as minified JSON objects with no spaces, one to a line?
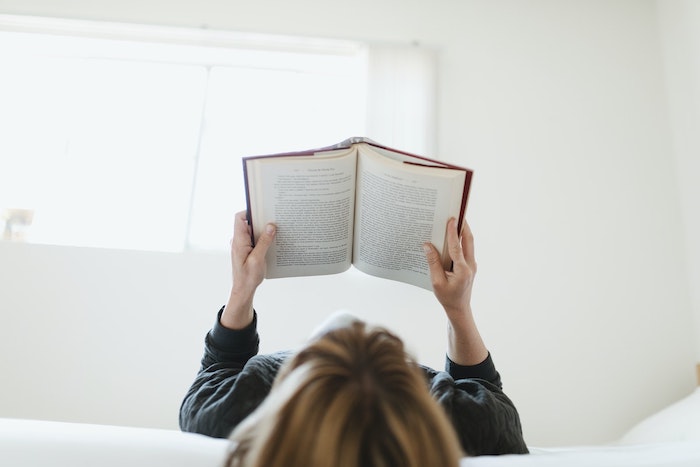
{"x":356,"y":203}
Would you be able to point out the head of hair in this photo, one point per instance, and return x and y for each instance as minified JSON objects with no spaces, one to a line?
{"x":351,"y":397}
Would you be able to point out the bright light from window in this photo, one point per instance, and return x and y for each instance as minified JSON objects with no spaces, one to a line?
{"x":137,"y":144}
{"x":263,"y":112}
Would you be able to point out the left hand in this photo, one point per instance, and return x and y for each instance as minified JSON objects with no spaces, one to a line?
{"x":248,"y":262}
{"x":248,"y":267}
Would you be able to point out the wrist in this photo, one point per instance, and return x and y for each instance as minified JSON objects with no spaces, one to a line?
{"x":460,"y":316}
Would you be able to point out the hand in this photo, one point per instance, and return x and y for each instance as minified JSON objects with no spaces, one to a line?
{"x":248,"y":267}
{"x":453,"y":289}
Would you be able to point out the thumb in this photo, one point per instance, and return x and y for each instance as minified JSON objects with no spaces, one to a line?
{"x":265,"y":240}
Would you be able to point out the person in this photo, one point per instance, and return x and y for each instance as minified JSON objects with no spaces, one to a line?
{"x":352,"y":396}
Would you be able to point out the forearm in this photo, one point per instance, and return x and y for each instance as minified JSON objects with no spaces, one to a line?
{"x":238,"y":312}
{"x":465,"y":345}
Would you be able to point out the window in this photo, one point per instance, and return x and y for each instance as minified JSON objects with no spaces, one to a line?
{"x":131,"y":136}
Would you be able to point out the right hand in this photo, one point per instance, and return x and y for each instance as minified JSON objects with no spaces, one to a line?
{"x":248,"y":268}
{"x":453,"y":289}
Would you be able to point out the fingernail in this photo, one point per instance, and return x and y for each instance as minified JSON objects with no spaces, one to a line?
{"x":270,"y":228}
{"x":426,"y":248}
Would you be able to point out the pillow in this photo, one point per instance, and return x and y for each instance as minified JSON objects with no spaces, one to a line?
{"x":33,"y":443}
{"x":678,"y":422}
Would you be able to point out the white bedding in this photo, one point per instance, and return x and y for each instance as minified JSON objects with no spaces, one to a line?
{"x":669,"y":454}
{"x":29,"y":443}
{"x":679,"y":421}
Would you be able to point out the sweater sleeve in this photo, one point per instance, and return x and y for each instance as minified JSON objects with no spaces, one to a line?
{"x":229,"y":384}
{"x":485,"y":419}
{"x":485,"y":370}
{"x":228,"y":345}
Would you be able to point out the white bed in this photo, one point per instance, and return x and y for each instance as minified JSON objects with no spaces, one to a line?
{"x":669,"y":454}
{"x":670,"y":438}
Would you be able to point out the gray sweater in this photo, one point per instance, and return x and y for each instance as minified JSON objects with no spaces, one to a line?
{"x":233,"y":380}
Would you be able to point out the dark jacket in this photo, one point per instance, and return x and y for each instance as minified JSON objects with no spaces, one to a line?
{"x":233,"y":380}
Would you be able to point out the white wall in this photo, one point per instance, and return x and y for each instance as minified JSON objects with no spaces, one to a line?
{"x":680,"y":26}
{"x":583,"y":292}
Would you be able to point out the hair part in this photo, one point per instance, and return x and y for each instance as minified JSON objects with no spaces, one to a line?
{"x":350,"y":398}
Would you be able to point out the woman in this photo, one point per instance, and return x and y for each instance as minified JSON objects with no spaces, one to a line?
{"x":308,"y":410}
{"x":351,"y":398}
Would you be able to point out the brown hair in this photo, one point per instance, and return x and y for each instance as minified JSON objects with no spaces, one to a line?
{"x":351,"y":398}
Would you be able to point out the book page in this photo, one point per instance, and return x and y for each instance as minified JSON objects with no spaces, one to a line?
{"x":401,"y":157}
{"x":398,"y":208}
{"x":311,"y":200}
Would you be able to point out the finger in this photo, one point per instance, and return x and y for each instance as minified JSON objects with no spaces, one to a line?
{"x":437,"y":273}
{"x":454,"y":244}
{"x":241,"y":231}
{"x":264,"y":242}
{"x":468,"y":245}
